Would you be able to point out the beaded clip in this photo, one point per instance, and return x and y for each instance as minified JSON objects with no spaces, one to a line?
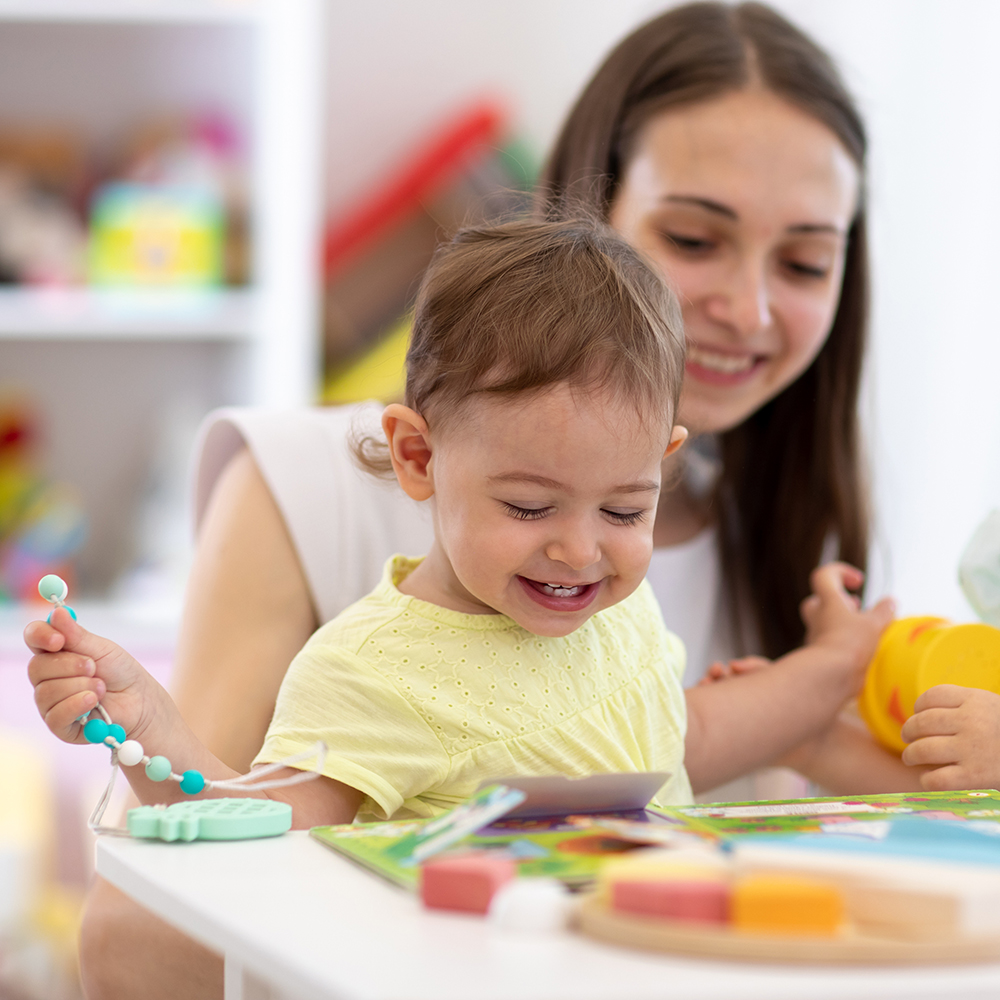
{"x":131,"y":753}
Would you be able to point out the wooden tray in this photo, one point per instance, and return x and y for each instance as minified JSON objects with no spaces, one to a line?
{"x":596,"y":920}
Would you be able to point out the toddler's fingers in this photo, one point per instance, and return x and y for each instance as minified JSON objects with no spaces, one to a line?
{"x":49,"y":694}
{"x":78,"y":639}
{"x":941,"y":696}
{"x":48,"y":666}
{"x":62,"y":717}
{"x":41,"y":637}
{"x":945,"y":779}
{"x":933,"y":750}
{"x":930,"y":722}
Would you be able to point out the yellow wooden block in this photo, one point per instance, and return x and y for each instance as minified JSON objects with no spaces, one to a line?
{"x":786,"y":904}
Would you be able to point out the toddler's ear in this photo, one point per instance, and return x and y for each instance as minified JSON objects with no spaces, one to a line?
{"x":409,"y":449}
{"x":677,"y":437}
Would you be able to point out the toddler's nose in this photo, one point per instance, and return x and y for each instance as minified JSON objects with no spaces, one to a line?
{"x":575,"y":550}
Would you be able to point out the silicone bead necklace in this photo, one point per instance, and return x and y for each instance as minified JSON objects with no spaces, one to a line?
{"x":130,"y":753}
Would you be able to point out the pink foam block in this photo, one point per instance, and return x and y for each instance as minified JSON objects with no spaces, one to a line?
{"x":464,"y":882}
{"x":675,"y":899}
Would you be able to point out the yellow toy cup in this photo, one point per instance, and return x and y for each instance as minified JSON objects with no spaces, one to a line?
{"x":916,"y":654}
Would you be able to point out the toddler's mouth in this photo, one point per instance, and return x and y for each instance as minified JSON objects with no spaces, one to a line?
{"x":559,"y":596}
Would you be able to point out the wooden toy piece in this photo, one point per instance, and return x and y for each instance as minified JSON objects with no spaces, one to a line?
{"x":464,"y":882}
{"x":715,"y":941}
{"x":703,"y":899}
{"x":780,"y":903}
{"x":672,"y":885}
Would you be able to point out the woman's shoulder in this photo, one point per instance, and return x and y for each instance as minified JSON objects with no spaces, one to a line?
{"x":343,"y":521}
{"x":279,"y":440}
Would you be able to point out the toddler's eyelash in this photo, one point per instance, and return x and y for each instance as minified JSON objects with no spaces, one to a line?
{"x":524,"y":513}
{"x":632,"y":518}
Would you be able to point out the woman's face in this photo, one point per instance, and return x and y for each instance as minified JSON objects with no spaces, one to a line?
{"x":744,"y":201}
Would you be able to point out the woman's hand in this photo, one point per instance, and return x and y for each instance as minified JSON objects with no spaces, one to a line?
{"x":956,"y":731}
{"x":72,"y":670}
{"x":835,"y":621}
{"x":719,"y":671}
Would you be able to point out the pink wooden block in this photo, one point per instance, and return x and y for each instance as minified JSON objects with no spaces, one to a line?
{"x":464,"y":882}
{"x":680,"y":899}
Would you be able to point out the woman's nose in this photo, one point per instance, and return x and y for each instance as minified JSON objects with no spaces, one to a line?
{"x":742,"y":301}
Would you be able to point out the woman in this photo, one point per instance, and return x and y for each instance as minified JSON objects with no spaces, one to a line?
{"x":720,"y":141}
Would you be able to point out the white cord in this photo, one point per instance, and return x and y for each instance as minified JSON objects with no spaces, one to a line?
{"x":243,"y":783}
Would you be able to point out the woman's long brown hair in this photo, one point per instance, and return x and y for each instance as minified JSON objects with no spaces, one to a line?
{"x":792,"y":473}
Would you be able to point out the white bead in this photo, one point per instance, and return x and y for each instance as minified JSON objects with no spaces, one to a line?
{"x":130,"y":753}
{"x":538,"y":905}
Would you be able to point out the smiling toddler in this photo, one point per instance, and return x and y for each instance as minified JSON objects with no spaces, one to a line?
{"x":543,"y":379}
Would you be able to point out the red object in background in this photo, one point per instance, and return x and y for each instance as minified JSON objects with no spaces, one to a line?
{"x":474,"y":133}
{"x":465,"y":882}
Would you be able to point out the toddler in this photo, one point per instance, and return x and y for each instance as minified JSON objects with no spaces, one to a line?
{"x":542,"y":385}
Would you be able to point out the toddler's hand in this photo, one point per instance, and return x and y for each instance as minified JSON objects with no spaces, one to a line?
{"x":719,"y":671}
{"x":835,"y":621}
{"x":73,"y":669}
{"x":955,"y":730}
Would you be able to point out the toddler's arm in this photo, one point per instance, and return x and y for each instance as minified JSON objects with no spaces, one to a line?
{"x":956,"y":732}
{"x":71,"y":670}
{"x":753,"y":719}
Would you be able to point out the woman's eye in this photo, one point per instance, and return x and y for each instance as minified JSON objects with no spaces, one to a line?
{"x":807,"y":270}
{"x":525,"y":513}
{"x":626,"y":517}
{"x":689,"y":244}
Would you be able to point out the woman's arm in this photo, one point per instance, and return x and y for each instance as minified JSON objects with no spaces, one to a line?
{"x":746,"y":721}
{"x":247,"y":613}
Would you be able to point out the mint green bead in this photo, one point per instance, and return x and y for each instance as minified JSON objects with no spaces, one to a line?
{"x":95,"y":731}
{"x":117,"y":732}
{"x":158,"y":769}
{"x":53,"y":588}
{"x":192,"y":782}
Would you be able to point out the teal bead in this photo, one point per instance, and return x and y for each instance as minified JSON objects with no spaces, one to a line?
{"x":158,"y":769}
{"x":95,"y":731}
{"x":53,"y":588}
{"x":117,"y":732}
{"x":72,"y":614}
{"x":192,"y":782}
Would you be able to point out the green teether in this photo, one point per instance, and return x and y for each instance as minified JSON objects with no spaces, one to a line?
{"x":211,"y":819}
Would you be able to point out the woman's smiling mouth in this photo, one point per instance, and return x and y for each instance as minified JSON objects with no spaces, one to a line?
{"x":721,"y":368}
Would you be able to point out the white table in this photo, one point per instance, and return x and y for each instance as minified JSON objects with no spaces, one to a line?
{"x":294,"y":920}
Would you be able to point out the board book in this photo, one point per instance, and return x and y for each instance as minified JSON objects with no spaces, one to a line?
{"x":961,"y":827}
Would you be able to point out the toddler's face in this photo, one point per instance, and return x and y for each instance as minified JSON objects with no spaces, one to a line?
{"x":544,"y":507}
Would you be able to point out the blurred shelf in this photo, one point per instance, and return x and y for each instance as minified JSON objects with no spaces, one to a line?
{"x":86,"y":313}
{"x":131,"y":11}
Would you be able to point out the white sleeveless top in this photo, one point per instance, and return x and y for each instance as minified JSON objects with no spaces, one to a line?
{"x":345,"y":523}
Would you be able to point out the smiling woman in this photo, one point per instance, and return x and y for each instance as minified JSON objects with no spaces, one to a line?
{"x":721,"y":141}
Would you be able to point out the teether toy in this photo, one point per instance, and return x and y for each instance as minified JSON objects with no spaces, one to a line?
{"x":213,"y":819}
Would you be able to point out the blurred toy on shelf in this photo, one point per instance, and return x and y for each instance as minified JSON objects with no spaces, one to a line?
{"x":375,"y":251}
{"x":174,"y":211}
{"x":42,"y":235}
{"x":168,"y":207}
{"x":41,"y":523}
